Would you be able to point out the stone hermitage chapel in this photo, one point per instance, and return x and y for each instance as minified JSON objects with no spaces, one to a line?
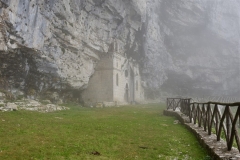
{"x":116,"y":81}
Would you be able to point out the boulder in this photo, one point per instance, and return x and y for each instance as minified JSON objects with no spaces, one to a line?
{"x":33,"y":103}
{"x":46,"y":101}
{"x":11,"y":107}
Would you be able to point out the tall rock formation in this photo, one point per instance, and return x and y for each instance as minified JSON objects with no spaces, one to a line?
{"x":184,"y":47}
{"x":53,"y":45}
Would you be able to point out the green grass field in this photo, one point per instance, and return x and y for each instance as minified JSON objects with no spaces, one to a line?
{"x":128,"y":132}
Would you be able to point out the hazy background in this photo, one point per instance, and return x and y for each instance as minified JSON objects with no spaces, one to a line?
{"x":196,"y":52}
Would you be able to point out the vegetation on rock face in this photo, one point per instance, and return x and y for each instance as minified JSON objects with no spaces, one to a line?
{"x":59,"y":51}
{"x":129,"y":132}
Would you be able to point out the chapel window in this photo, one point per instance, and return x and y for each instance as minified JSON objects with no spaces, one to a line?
{"x":117,"y":79}
{"x":136,"y":85}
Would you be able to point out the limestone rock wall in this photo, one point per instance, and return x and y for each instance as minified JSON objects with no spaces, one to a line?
{"x":183,"y":47}
{"x":55,"y":45}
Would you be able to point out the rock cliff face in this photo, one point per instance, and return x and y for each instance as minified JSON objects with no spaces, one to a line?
{"x":194,"y":45}
{"x":183,"y":46}
{"x":54,"y":45}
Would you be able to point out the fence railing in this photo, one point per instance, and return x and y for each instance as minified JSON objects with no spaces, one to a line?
{"x":173,"y":103}
{"x":219,"y":118}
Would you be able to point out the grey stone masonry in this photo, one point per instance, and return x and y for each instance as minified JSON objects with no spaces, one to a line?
{"x":216,"y":149}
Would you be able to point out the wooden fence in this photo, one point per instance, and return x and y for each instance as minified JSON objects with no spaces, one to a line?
{"x":173,"y":103}
{"x":219,"y":118}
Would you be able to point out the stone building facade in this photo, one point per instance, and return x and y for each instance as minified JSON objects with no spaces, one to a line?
{"x":116,"y":81}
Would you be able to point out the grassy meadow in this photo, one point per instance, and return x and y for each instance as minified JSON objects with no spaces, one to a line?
{"x":119,"y":133}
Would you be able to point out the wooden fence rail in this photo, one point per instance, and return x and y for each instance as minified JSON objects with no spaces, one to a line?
{"x":219,"y":118}
{"x":173,"y":103}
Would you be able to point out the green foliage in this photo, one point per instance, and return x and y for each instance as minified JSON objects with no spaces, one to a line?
{"x":129,"y":132}
{"x":20,"y":97}
{"x":31,"y":91}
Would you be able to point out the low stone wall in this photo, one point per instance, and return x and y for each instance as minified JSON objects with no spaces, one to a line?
{"x":216,"y":149}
